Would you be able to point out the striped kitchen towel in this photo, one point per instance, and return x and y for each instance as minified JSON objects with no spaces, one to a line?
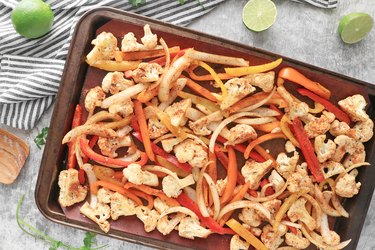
{"x":30,"y":70}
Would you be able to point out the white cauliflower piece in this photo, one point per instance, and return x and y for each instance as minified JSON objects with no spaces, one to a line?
{"x":298,"y":212}
{"x":271,"y":239}
{"x":149,"y":40}
{"x":355,"y":106}
{"x":160,"y":205}
{"x":177,"y":112}
{"x":99,"y":215}
{"x":363,"y":131}
{"x":109,"y":145}
{"x":345,"y":144}
{"x":190,"y":228}
{"x":129,"y":43}
{"x":192,"y":152}
{"x":124,"y":109}
{"x":104,"y":49}
{"x":149,"y":217}
{"x":237,"y":88}
{"x":200,"y":126}
{"x":346,"y":185}
{"x":276,"y":179}
{"x":339,"y":128}
{"x":115,"y":82}
{"x":220,"y":185}
{"x":172,"y":186}
{"x":94,"y":98}
{"x":241,"y":133}
{"x":289,"y":147}
{"x":324,"y":151}
{"x":147,"y":72}
{"x":299,"y":180}
{"x":71,"y":191}
{"x":286,"y":165}
{"x":121,"y":206}
{"x":168,"y":144}
{"x":167,"y":223}
{"x":273,"y":206}
{"x":319,"y":126}
{"x":156,"y":128}
{"x":297,"y":240}
{"x":236,"y":243}
{"x":104,"y":196}
{"x":250,"y":217}
{"x":136,"y":175}
{"x":265,"y":81}
{"x":331,"y":168}
{"x":254,"y":171}
{"x":297,"y":109}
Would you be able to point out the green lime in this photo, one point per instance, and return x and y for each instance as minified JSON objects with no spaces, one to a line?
{"x":355,"y":26}
{"x":32,"y":18}
{"x":259,"y":15}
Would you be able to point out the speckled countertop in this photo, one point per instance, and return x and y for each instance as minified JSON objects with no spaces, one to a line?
{"x":301,"y":32}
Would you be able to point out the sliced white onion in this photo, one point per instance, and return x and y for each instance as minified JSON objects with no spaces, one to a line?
{"x":101,"y":116}
{"x":163,"y":137}
{"x":189,"y":191}
{"x":197,"y":139}
{"x":255,"y":121}
{"x":187,"y":181}
{"x":203,"y":109}
{"x":291,"y":224}
{"x":261,"y":103}
{"x":213,"y":58}
{"x":123,"y":95}
{"x":214,"y":193}
{"x":264,"y":188}
{"x":267,"y":198}
{"x":183,"y":210}
{"x":167,"y":54}
{"x":78,"y":153}
{"x":265,"y":112}
{"x":200,"y":201}
{"x":357,"y":166}
{"x":91,"y":178}
{"x":124,"y":131}
{"x":242,"y":204}
{"x":324,"y":227}
{"x":317,"y":209}
{"x":177,"y":86}
{"x":193,"y":114}
{"x":324,"y":204}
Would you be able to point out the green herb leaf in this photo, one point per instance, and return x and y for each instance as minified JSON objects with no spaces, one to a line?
{"x":40,"y":139}
{"x":89,"y":240}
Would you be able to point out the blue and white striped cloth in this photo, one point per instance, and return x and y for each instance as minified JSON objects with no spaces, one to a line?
{"x":30,"y":70}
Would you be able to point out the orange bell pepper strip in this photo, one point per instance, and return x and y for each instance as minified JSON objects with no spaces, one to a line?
{"x":143,"y":54}
{"x":86,"y":150}
{"x":77,"y":120}
{"x":261,"y":151}
{"x":340,"y":115}
{"x":197,"y":88}
{"x":154,"y":192}
{"x":307,"y":150}
{"x":147,"y":94}
{"x":293,"y":75}
{"x":147,"y":197}
{"x":143,"y":129}
{"x":267,"y":127}
{"x":173,"y":55}
{"x":246,"y":234}
{"x":241,"y":71}
{"x":209,"y":77}
{"x":284,"y":126}
{"x":224,"y":91}
{"x":95,"y":186}
{"x":209,"y":222}
{"x":231,"y":176}
{"x":260,"y":140}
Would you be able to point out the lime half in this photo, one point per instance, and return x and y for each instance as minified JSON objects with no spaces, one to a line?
{"x":259,"y":15}
{"x":355,"y":26}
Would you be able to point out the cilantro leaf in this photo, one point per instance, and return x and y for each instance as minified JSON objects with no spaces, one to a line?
{"x":40,"y":139}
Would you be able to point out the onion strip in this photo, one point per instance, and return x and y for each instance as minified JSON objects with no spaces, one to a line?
{"x":215,"y":195}
{"x":213,"y":58}
{"x":255,"y":121}
{"x":242,"y":204}
{"x":267,"y":198}
{"x":91,"y":129}
{"x":260,"y":103}
{"x":199,"y":189}
{"x":183,"y":210}
{"x":123,"y":95}
{"x":102,"y":116}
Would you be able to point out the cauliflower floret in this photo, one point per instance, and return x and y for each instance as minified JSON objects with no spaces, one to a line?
{"x":299,"y":180}
{"x":99,"y":215}
{"x":237,"y":88}
{"x":129,"y":43}
{"x":149,"y":40}
{"x":124,"y":109}
{"x":136,"y":175}
{"x":236,"y":243}
{"x":168,"y":144}
{"x":358,"y":157}
{"x":319,"y":126}
{"x":362,"y":131}
{"x":192,"y":152}
{"x":241,"y":133}
{"x":200,"y":126}
{"x":121,"y":206}
{"x":104,"y":49}
{"x":94,"y":98}
{"x":346,"y":185}
{"x":173,"y":187}
{"x":71,"y":191}
{"x":149,"y":217}
{"x":220,"y":185}
{"x":160,"y":205}
{"x":109,"y":145}
{"x":156,"y":128}
{"x":339,"y":128}
{"x":253,"y":172}
{"x":250,"y":217}
{"x":273,"y":206}
{"x":115,"y":82}
{"x":147,"y":72}
{"x":289,"y":147}
{"x":331,"y":168}
{"x":167,"y":223}
{"x":276,"y":179}
{"x":324,"y":151}
{"x":296,"y":240}
{"x":265,"y":81}
{"x":271,"y":239}
{"x":177,"y":112}
{"x":104,"y":196}
{"x":299,"y":109}
{"x":286,"y":165}
{"x":354,"y":106}
{"x":345,"y":144}
{"x":190,"y":227}
{"x":298,"y":212}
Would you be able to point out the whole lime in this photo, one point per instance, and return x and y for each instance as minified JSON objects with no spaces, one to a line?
{"x":32,"y":18}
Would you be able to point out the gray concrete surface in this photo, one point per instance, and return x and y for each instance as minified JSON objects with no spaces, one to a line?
{"x":301,"y":32}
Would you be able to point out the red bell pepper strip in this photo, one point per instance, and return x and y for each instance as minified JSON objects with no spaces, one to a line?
{"x":92,"y":143}
{"x":307,"y":150}
{"x":269,"y":190}
{"x":81,"y":176}
{"x":273,"y":107}
{"x":209,"y":222}
{"x":106,"y":160}
{"x":340,"y":115}
{"x":170,"y":158}
{"x":77,"y":120}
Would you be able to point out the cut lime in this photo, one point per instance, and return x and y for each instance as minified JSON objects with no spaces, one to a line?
{"x":355,"y":26}
{"x":259,"y":15}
